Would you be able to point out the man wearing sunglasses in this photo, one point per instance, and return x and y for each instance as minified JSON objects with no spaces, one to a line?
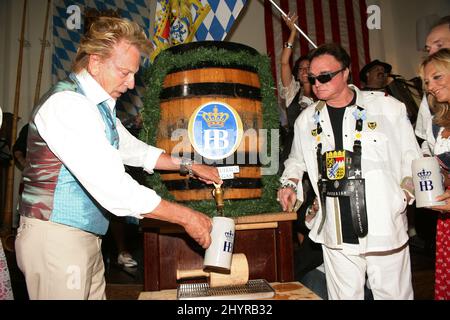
{"x":357,"y":148}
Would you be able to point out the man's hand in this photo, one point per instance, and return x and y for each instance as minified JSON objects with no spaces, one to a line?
{"x":206,"y":173}
{"x":443,"y":197}
{"x":287,"y":198}
{"x":197,"y":225}
{"x":312,"y":210}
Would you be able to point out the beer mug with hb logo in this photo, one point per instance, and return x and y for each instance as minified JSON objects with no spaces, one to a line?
{"x":219,"y":254}
{"x":428,"y":182}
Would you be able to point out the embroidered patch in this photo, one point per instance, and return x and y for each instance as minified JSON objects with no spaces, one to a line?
{"x":335,"y":163}
{"x":314,"y":132}
{"x":372,"y":125}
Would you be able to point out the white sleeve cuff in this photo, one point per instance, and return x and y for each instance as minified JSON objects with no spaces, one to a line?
{"x":146,"y":201}
{"x":151,"y":158}
{"x":412,"y":197}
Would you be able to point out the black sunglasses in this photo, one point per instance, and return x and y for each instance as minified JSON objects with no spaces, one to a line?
{"x":324,"y":77}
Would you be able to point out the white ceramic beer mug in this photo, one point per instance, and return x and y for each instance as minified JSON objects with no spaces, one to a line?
{"x":220,"y":252}
{"x":428,"y":182}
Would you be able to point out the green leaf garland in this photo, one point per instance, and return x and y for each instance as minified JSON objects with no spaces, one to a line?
{"x":154,"y":77}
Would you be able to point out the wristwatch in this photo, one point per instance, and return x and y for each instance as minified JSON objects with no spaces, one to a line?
{"x":186,"y":167}
{"x":289,"y":184}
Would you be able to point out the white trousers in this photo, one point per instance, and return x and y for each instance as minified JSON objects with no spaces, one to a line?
{"x":60,"y":262}
{"x":389,"y":275}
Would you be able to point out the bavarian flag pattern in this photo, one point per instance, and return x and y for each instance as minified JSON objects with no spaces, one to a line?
{"x":184,"y":21}
{"x":69,"y":17}
{"x":335,"y":165}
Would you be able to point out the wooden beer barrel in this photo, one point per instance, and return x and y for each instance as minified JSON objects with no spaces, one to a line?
{"x":183,"y":92}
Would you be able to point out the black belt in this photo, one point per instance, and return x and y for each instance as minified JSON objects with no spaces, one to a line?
{"x":355,"y":190}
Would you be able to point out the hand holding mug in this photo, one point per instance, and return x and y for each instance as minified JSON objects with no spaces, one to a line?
{"x":445,"y":198}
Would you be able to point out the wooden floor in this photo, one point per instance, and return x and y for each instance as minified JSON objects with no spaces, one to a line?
{"x":127,"y":283}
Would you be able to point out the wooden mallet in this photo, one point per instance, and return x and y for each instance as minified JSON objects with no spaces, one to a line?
{"x":238,"y":273}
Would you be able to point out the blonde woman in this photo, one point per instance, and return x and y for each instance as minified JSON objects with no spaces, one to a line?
{"x":435,"y":71}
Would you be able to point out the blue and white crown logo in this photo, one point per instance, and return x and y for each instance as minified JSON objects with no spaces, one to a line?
{"x":229,"y":235}
{"x":215,"y":119}
{"x":424,"y":174}
{"x":215,"y":130}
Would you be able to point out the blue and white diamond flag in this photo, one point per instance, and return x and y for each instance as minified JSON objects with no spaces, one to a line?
{"x":219,"y":20}
{"x":68,"y":28}
{"x":185,"y":21}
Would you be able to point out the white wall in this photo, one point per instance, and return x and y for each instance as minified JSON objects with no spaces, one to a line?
{"x":10,"y":28}
{"x":395,"y":42}
{"x":250,"y":29}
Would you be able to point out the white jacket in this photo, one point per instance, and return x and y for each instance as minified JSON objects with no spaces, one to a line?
{"x":387,"y":152}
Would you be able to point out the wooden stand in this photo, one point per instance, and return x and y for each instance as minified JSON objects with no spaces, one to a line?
{"x":283,"y":291}
{"x":265,"y":239}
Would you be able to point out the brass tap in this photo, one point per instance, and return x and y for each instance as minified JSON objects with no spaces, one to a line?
{"x":218,"y":196}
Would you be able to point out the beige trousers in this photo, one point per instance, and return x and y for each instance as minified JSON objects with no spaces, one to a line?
{"x":59,"y":261}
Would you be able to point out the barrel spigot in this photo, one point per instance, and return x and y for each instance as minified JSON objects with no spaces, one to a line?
{"x":218,"y":196}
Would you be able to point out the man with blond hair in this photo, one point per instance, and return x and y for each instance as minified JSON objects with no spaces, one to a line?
{"x":74,"y":172}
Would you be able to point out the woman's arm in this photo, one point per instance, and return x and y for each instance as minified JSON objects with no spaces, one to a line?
{"x":286,"y":71}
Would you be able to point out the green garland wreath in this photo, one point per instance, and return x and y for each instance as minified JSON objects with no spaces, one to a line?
{"x":154,"y":77}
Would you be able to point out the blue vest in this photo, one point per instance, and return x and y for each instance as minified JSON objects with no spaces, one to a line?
{"x":68,"y":202}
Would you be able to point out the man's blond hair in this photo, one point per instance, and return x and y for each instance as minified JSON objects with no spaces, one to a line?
{"x":104,"y":34}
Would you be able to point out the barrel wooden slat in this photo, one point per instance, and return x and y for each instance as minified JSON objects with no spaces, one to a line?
{"x":205,"y":194}
{"x":186,"y":89}
{"x":212,"y":75}
{"x":175,"y":115}
{"x":244,"y":172}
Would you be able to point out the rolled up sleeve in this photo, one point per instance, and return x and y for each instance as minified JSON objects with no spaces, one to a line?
{"x":74,"y":131}
{"x":135,"y":152}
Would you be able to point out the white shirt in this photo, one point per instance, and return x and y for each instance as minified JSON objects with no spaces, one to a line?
{"x":288,"y":93}
{"x":73,"y":129}
{"x":424,"y":118}
{"x":436,"y":145}
{"x":431,"y":146}
{"x":442,"y":145}
{"x":388,"y":148}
